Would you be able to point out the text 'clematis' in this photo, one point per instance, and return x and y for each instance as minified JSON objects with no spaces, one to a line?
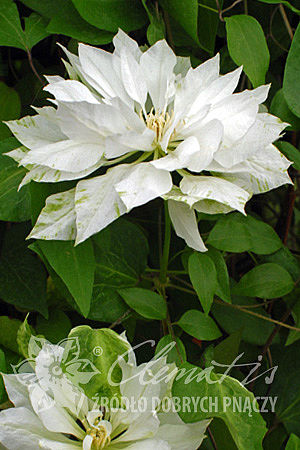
{"x":147,"y":125}
{"x":52,"y":412}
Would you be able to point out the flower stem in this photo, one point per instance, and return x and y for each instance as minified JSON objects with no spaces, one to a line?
{"x":166,"y":249}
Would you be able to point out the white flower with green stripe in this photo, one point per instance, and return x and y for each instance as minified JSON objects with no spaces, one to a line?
{"x":132,"y":126}
{"x":51,"y":412}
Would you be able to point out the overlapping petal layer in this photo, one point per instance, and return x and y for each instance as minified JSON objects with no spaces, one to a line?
{"x":139,"y":116}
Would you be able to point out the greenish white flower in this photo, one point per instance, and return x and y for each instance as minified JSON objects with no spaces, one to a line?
{"x":53,"y":413}
{"x":132,"y":119}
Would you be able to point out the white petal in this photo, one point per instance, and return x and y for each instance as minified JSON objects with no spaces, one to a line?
{"x":144,"y":427}
{"x":54,"y":417}
{"x":181,"y":436}
{"x":147,"y":444}
{"x":97,"y":203}
{"x":134,"y":122}
{"x":122,"y":40}
{"x":123,"y":143}
{"x":183,"y":65}
{"x":57,"y":218}
{"x":43,"y":174}
{"x":84,"y":121}
{"x":74,"y":67}
{"x":87,"y":442}
{"x":68,"y":155}
{"x":213,"y":188}
{"x":157,"y":64}
{"x":100,"y":72}
{"x":71,"y":91}
{"x":16,"y":390}
{"x":260,"y":173}
{"x":55,"y":445}
{"x":133,"y":78}
{"x":17,"y":154}
{"x":142,"y":184}
{"x":37,"y":131}
{"x":21,"y":428}
{"x":185,"y":224}
{"x":265,"y":130}
{"x":195,"y":80}
{"x":187,"y":154}
{"x":237,"y":114}
{"x":214,"y":92}
{"x":209,"y":137}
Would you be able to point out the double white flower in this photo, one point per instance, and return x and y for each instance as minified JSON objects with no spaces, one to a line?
{"x":155,"y":127}
{"x":52,"y":413}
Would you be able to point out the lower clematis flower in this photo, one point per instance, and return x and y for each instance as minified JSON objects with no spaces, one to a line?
{"x":133,"y":119}
{"x":59,"y":416}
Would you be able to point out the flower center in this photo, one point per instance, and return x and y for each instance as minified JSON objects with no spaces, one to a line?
{"x":158,"y":122}
{"x":101,"y":437}
{"x":98,"y":431}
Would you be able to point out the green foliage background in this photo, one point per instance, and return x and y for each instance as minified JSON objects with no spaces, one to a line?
{"x":242,"y":296}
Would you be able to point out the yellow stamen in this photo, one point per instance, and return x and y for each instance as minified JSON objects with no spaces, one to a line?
{"x":158,"y":122}
{"x":100,"y":436}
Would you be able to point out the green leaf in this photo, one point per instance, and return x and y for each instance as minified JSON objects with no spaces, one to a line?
{"x":112,"y":14}
{"x":237,"y":233}
{"x":286,"y":386}
{"x":284,"y":2}
{"x":265,"y":281}
{"x":177,"y":354}
{"x":223,"y":287}
{"x":155,"y":31}
{"x":35,"y":29}
{"x":11,"y":32}
{"x":291,"y":152}
{"x":68,"y":21}
{"x":247,"y":430}
{"x":203,"y":275}
{"x":227,"y":350}
{"x":208,"y":22}
{"x":293,"y":334}
{"x":285,"y":259}
{"x":55,"y":328}
{"x":247,"y":46}
{"x":293,"y":443}
{"x":275,"y":438}
{"x":46,"y":8}
{"x":254,"y":330}
{"x":22,"y":275}
{"x":8,"y":333}
{"x":3,"y":369}
{"x":75,"y":266}
{"x":121,"y":252}
{"x":279,"y":108}
{"x":147,"y":303}
{"x":106,"y":305}
{"x":14,"y":205}
{"x":291,"y":79}
{"x":10,"y":108}
{"x":101,"y":348}
{"x":25,"y":332}
{"x":199,"y":325}
{"x":185,"y":13}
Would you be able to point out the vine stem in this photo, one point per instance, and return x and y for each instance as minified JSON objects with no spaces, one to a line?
{"x":32,"y":66}
{"x":286,"y":21}
{"x":166,"y":249}
{"x":163,"y":276}
{"x":240,"y":308}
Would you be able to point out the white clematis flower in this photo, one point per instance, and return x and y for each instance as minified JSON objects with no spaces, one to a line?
{"x":58,"y":415}
{"x":139,"y":117}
